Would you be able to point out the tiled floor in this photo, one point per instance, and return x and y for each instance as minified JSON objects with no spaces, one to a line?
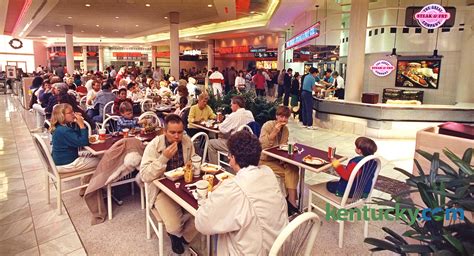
{"x":29,"y":226}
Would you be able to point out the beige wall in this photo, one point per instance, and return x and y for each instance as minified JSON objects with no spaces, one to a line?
{"x":41,"y":54}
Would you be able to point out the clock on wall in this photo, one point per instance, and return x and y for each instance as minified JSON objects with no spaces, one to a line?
{"x":16,"y":43}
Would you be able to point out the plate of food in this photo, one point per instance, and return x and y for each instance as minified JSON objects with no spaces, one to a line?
{"x":224,"y":176}
{"x":175,"y":174}
{"x":284,"y":147}
{"x":94,"y":139}
{"x":210,"y":168}
{"x":313,"y":160}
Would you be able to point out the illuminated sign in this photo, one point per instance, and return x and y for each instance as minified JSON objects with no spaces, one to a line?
{"x":192,"y":52}
{"x":234,"y":49}
{"x":382,"y":68}
{"x":306,"y":35}
{"x":258,"y":49}
{"x":432,"y":16}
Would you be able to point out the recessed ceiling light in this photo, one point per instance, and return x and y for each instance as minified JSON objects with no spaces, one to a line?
{"x":88,"y":5}
{"x":147,"y":5}
{"x":82,"y":31}
{"x":209,"y":5}
{"x":43,"y":36}
{"x":166,"y":17}
{"x":49,"y":31}
{"x":116,"y":31}
{"x":57,"y":25}
{"x":137,"y":25}
{"x":97,"y":25}
{"x":252,"y":12}
{"x":116,"y":17}
{"x":69,"y":17}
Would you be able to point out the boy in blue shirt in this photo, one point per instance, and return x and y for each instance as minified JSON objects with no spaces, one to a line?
{"x":126,"y":119}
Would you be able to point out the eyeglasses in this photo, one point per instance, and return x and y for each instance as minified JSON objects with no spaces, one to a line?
{"x":69,"y":113}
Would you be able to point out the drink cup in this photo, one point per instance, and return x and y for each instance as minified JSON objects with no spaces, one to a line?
{"x":331,"y":152}
{"x":291,"y":147}
{"x":196,"y":159}
{"x":210,"y":179}
{"x":125,"y":132}
{"x":102,"y":134}
{"x":202,"y":188}
{"x":219,"y":117}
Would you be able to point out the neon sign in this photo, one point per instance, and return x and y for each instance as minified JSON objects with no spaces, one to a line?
{"x":432,"y":16}
{"x":382,"y":68}
{"x":306,"y":35}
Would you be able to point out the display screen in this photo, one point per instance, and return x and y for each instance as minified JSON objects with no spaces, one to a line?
{"x":418,"y":72}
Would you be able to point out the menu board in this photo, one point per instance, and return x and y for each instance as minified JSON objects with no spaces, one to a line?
{"x":418,"y":72}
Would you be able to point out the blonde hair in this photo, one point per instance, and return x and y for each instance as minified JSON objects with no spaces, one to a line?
{"x":57,"y":116}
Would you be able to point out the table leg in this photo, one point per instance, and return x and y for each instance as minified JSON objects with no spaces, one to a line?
{"x":301,"y":190}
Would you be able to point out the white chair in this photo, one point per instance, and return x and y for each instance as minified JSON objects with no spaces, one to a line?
{"x":89,"y":128}
{"x":245,"y":127}
{"x":53,"y":174}
{"x":154,"y":221}
{"x":108,"y":109}
{"x":366,"y":167}
{"x":146,"y":105}
{"x":153,"y":117}
{"x":110,"y":124}
{"x":183,"y":110}
{"x":221,"y":159}
{"x":200,"y":141}
{"x":129,"y":178}
{"x":298,"y":237}
{"x":83,"y":103}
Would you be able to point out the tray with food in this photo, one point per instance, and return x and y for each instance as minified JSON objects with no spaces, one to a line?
{"x":224,"y":175}
{"x":94,"y":139}
{"x":175,"y":174}
{"x":284,"y":147}
{"x":210,"y":168}
{"x":312,"y":160}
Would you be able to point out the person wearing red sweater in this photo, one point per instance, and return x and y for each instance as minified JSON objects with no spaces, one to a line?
{"x":364,"y":147}
{"x":259,"y":81}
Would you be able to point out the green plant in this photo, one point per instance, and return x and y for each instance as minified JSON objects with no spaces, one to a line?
{"x":261,"y":109}
{"x":445,"y":188}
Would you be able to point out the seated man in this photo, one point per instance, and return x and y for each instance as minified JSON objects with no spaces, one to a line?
{"x":237,"y":118}
{"x":274,"y":133}
{"x":164,"y":153}
{"x":250,"y":208}
{"x":103,"y":97}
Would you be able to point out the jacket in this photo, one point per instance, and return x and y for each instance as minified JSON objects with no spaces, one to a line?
{"x":153,"y":165}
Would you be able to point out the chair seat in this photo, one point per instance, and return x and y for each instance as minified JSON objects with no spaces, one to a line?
{"x":321,"y":190}
{"x":71,"y":174}
{"x":155,"y":213}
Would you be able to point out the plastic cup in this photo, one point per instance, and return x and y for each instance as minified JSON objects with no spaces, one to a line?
{"x":196,"y":160}
{"x":125,"y":132}
{"x":210,"y":179}
{"x":202,"y":188}
{"x":331,"y":152}
{"x":102,"y":134}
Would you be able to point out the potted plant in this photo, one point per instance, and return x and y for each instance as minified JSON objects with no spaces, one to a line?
{"x":444,"y":188}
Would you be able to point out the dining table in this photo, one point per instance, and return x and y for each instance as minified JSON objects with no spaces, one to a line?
{"x":296,"y":159}
{"x":100,"y":147}
{"x":203,"y":126}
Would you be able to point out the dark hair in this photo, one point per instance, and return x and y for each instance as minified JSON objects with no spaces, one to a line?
{"x":182,"y":89}
{"x":239,"y":100}
{"x":335,"y":73}
{"x":245,"y":147}
{"x":130,"y":85}
{"x":183,"y":101}
{"x":297,"y":74}
{"x":106,"y":85}
{"x":289,"y":70}
{"x":283,"y":111}
{"x":125,"y":106}
{"x":366,"y":145}
{"x":121,"y":90}
{"x":174,"y":119}
{"x":313,"y":70}
{"x":328,"y":71}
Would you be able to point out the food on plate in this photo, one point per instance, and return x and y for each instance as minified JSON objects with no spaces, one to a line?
{"x":209,"y":168}
{"x":313,"y":160}
{"x":176,"y":173}
{"x":93,"y":139}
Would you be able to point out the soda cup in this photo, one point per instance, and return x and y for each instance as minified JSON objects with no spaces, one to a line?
{"x":219,"y":117}
{"x":331,"y":152}
{"x":291,"y":147}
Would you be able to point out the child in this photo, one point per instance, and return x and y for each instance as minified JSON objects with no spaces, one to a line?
{"x":364,"y":147}
{"x":126,"y":119}
{"x":183,"y":102}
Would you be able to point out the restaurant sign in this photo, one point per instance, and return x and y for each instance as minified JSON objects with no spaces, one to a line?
{"x":382,"y":68}
{"x":306,"y":35}
{"x":234,"y":49}
{"x":192,"y":52}
{"x":432,"y":16}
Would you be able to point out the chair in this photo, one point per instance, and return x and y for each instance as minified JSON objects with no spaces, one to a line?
{"x":298,"y":237}
{"x":245,"y":127}
{"x":108,"y":109}
{"x":110,"y":124}
{"x":153,"y":220}
{"x":152,"y":116}
{"x":53,"y":174}
{"x":185,"y":109}
{"x":146,"y":105}
{"x":368,"y":166}
{"x":129,"y":178}
{"x":200,"y":141}
{"x":83,"y":103}
{"x":89,"y":128}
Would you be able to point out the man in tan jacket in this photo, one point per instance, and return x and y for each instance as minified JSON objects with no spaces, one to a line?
{"x":164,"y":153}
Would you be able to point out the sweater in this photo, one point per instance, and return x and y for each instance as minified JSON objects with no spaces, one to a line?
{"x":66,"y":141}
{"x":345,"y":173}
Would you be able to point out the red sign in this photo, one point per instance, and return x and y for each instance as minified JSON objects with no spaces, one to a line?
{"x":63,"y":54}
{"x":234,"y":49}
{"x":127,"y":54}
{"x":162,"y":54}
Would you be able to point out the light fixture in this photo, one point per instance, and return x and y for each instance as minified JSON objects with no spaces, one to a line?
{"x":49,"y":31}
{"x":97,"y":25}
{"x":116,"y":17}
{"x":147,"y":5}
{"x":209,"y":5}
{"x":43,"y":36}
{"x":137,"y":25}
{"x":116,"y":31}
{"x":252,"y":12}
{"x":88,"y":5}
{"x":166,"y":17}
{"x":394,"y":49}
{"x":57,"y":25}
{"x":69,"y":17}
{"x":82,"y":31}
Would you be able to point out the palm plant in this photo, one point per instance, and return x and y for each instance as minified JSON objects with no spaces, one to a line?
{"x":442,"y":188}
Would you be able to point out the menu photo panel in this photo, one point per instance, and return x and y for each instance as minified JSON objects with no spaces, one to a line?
{"x":418,"y":72}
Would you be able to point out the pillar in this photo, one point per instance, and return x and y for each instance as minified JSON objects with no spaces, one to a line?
{"x":210,"y":54}
{"x":174,"y":44}
{"x":356,"y":54}
{"x":101,"y":58}
{"x":84,"y":58}
{"x":465,"y":90}
{"x":281,"y":51}
{"x":154,"y":49}
{"x":69,"y":49}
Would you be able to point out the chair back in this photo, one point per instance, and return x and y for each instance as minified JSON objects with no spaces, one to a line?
{"x":366,"y":171}
{"x":298,"y":237}
{"x":182,"y":111}
{"x":45,"y":154}
{"x":200,"y":141}
{"x":245,"y":127}
{"x":89,"y":128}
{"x":110,"y":124}
{"x":108,"y":109}
{"x":256,"y":128}
{"x":153,"y":117}
{"x":146,"y":105}
{"x":83,"y":103}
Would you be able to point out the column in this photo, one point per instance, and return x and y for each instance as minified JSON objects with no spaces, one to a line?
{"x":153,"y":56}
{"x":69,"y":49}
{"x":210,"y":54}
{"x":281,"y":51}
{"x":356,"y":54}
{"x":84,"y":58}
{"x":101,"y":58}
{"x":174,"y":44}
{"x":465,"y":91}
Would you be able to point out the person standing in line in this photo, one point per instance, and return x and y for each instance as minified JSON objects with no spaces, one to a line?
{"x":231,"y":75}
{"x":281,"y":80}
{"x":287,"y":86}
{"x":259,"y":81}
{"x":294,"y":91}
{"x":309,"y":85}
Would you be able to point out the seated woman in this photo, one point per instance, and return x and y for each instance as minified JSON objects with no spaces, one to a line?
{"x":274,"y":133}
{"x":68,"y":134}
{"x":364,"y":147}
